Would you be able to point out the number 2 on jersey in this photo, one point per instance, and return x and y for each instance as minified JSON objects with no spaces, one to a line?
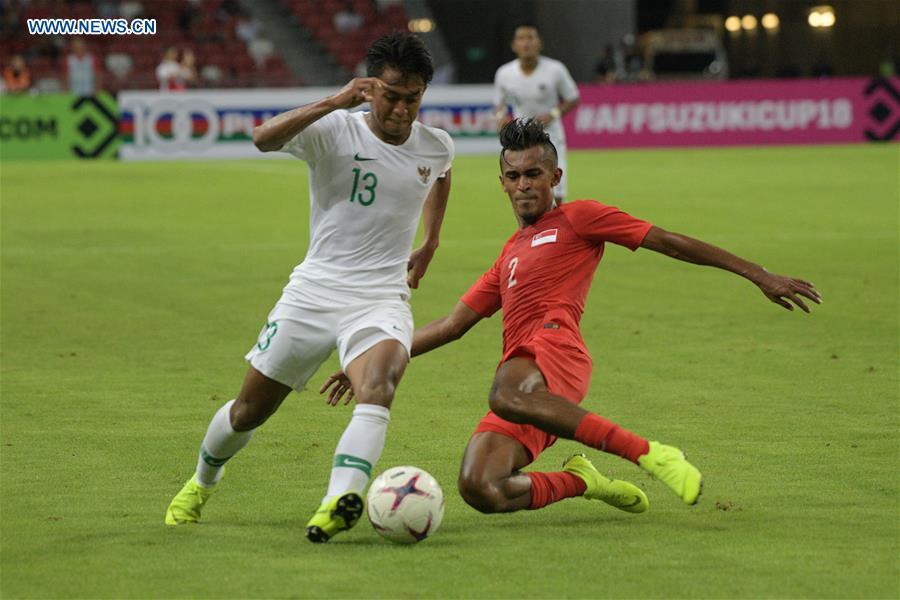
{"x":369,"y":181}
{"x":513,"y":263}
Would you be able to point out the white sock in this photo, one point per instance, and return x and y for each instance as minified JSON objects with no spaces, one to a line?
{"x":220,"y":444}
{"x":359,"y":449}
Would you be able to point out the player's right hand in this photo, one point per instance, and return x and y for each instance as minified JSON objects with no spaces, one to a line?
{"x":356,"y":92}
{"x":780,"y":290}
{"x":341,"y":384}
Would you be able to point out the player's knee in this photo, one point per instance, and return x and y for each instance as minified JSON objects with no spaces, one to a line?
{"x":481,"y":495}
{"x":376,"y":392}
{"x":507,"y":403}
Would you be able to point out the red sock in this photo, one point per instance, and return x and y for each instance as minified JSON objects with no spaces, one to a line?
{"x":547,"y":488}
{"x":597,"y":432}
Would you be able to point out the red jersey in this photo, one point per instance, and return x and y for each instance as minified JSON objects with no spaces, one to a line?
{"x":544,"y":272}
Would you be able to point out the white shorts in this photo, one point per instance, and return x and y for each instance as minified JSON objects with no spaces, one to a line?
{"x":297,"y":340}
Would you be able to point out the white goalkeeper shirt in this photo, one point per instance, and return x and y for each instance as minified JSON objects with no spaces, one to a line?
{"x":366,"y":198}
{"x":535,"y":93}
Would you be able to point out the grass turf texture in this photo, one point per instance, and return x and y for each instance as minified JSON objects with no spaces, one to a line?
{"x":131,"y":291}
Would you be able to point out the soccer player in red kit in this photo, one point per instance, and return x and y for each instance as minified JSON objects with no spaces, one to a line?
{"x":541,"y":280}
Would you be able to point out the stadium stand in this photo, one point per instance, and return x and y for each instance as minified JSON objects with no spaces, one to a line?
{"x":347,"y":48}
{"x":208,"y":27}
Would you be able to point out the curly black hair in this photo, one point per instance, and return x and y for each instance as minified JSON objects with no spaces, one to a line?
{"x":521,"y":134}
{"x":402,"y":51}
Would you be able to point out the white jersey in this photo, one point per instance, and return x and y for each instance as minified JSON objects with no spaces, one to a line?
{"x":535,"y":93}
{"x":366,"y":197}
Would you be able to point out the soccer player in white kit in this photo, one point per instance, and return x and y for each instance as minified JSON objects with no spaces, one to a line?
{"x":372,"y":174}
{"x":537,"y":87}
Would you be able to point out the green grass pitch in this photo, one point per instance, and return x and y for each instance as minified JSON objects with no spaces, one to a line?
{"x":130,"y":293}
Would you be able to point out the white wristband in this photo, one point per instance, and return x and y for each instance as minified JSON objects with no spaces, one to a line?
{"x":555,"y":113}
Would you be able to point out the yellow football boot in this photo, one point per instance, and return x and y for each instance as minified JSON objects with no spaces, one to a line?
{"x":336,"y":515}
{"x":617,"y":493}
{"x":669,"y":465}
{"x":187,"y":504}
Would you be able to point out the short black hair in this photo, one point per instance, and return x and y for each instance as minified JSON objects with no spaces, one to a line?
{"x":521,"y":134}
{"x":528,"y":24}
{"x":402,"y":51}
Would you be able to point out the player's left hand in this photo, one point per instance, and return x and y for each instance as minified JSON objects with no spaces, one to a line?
{"x":779,"y":289}
{"x":342,"y":386}
{"x":418,"y":263}
{"x":544,"y":118}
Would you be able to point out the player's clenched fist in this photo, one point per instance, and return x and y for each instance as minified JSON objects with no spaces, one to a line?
{"x":356,"y":92}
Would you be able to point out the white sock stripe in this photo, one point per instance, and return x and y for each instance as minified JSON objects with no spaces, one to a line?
{"x":220,"y":444}
{"x":363,"y":441}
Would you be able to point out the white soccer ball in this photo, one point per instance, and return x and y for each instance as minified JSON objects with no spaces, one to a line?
{"x":405,"y":505}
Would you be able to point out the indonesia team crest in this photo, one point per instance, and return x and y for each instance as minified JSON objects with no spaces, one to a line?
{"x":424,"y":174}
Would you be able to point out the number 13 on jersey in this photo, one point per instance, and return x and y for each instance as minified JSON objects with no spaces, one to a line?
{"x":369,"y":183}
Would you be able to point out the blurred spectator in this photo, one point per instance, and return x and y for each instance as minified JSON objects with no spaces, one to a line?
{"x":628,"y":61}
{"x":173,"y":76}
{"x":120,"y":65}
{"x":260,"y":50}
{"x":382,"y":5}
{"x":16,"y":76}
{"x":246,"y":28}
{"x":605,"y":69}
{"x":107,"y":9}
{"x":347,"y":19}
{"x":129,"y":9}
{"x":82,"y":74}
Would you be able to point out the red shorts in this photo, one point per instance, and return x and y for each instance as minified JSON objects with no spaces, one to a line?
{"x":567,"y":373}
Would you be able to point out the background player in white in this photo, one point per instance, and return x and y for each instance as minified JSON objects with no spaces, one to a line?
{"x":370,"y":175}
{"x":537,"y":87}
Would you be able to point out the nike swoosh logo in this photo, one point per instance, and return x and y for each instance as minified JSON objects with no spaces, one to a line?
{"x":637,"y":501}
{"x":361,"y":158}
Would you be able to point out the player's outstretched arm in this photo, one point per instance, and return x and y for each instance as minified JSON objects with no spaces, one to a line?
{"x":444,"y":330}
{"x":280,"y":129}
{"x":432,"y":218}
{"x":435,"y":334}
{"x":777,"y":288}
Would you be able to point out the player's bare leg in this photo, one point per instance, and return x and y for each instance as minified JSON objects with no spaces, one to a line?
{"x":259,"y":398}
{"x":520,"y":395}
{"x":374,"y":375}
{"x":229,"y":431}
{"x":489,"y":478}
{"x":491,"y":481}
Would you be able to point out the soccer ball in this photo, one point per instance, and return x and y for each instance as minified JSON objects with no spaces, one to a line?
{"x":405,"y":505}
